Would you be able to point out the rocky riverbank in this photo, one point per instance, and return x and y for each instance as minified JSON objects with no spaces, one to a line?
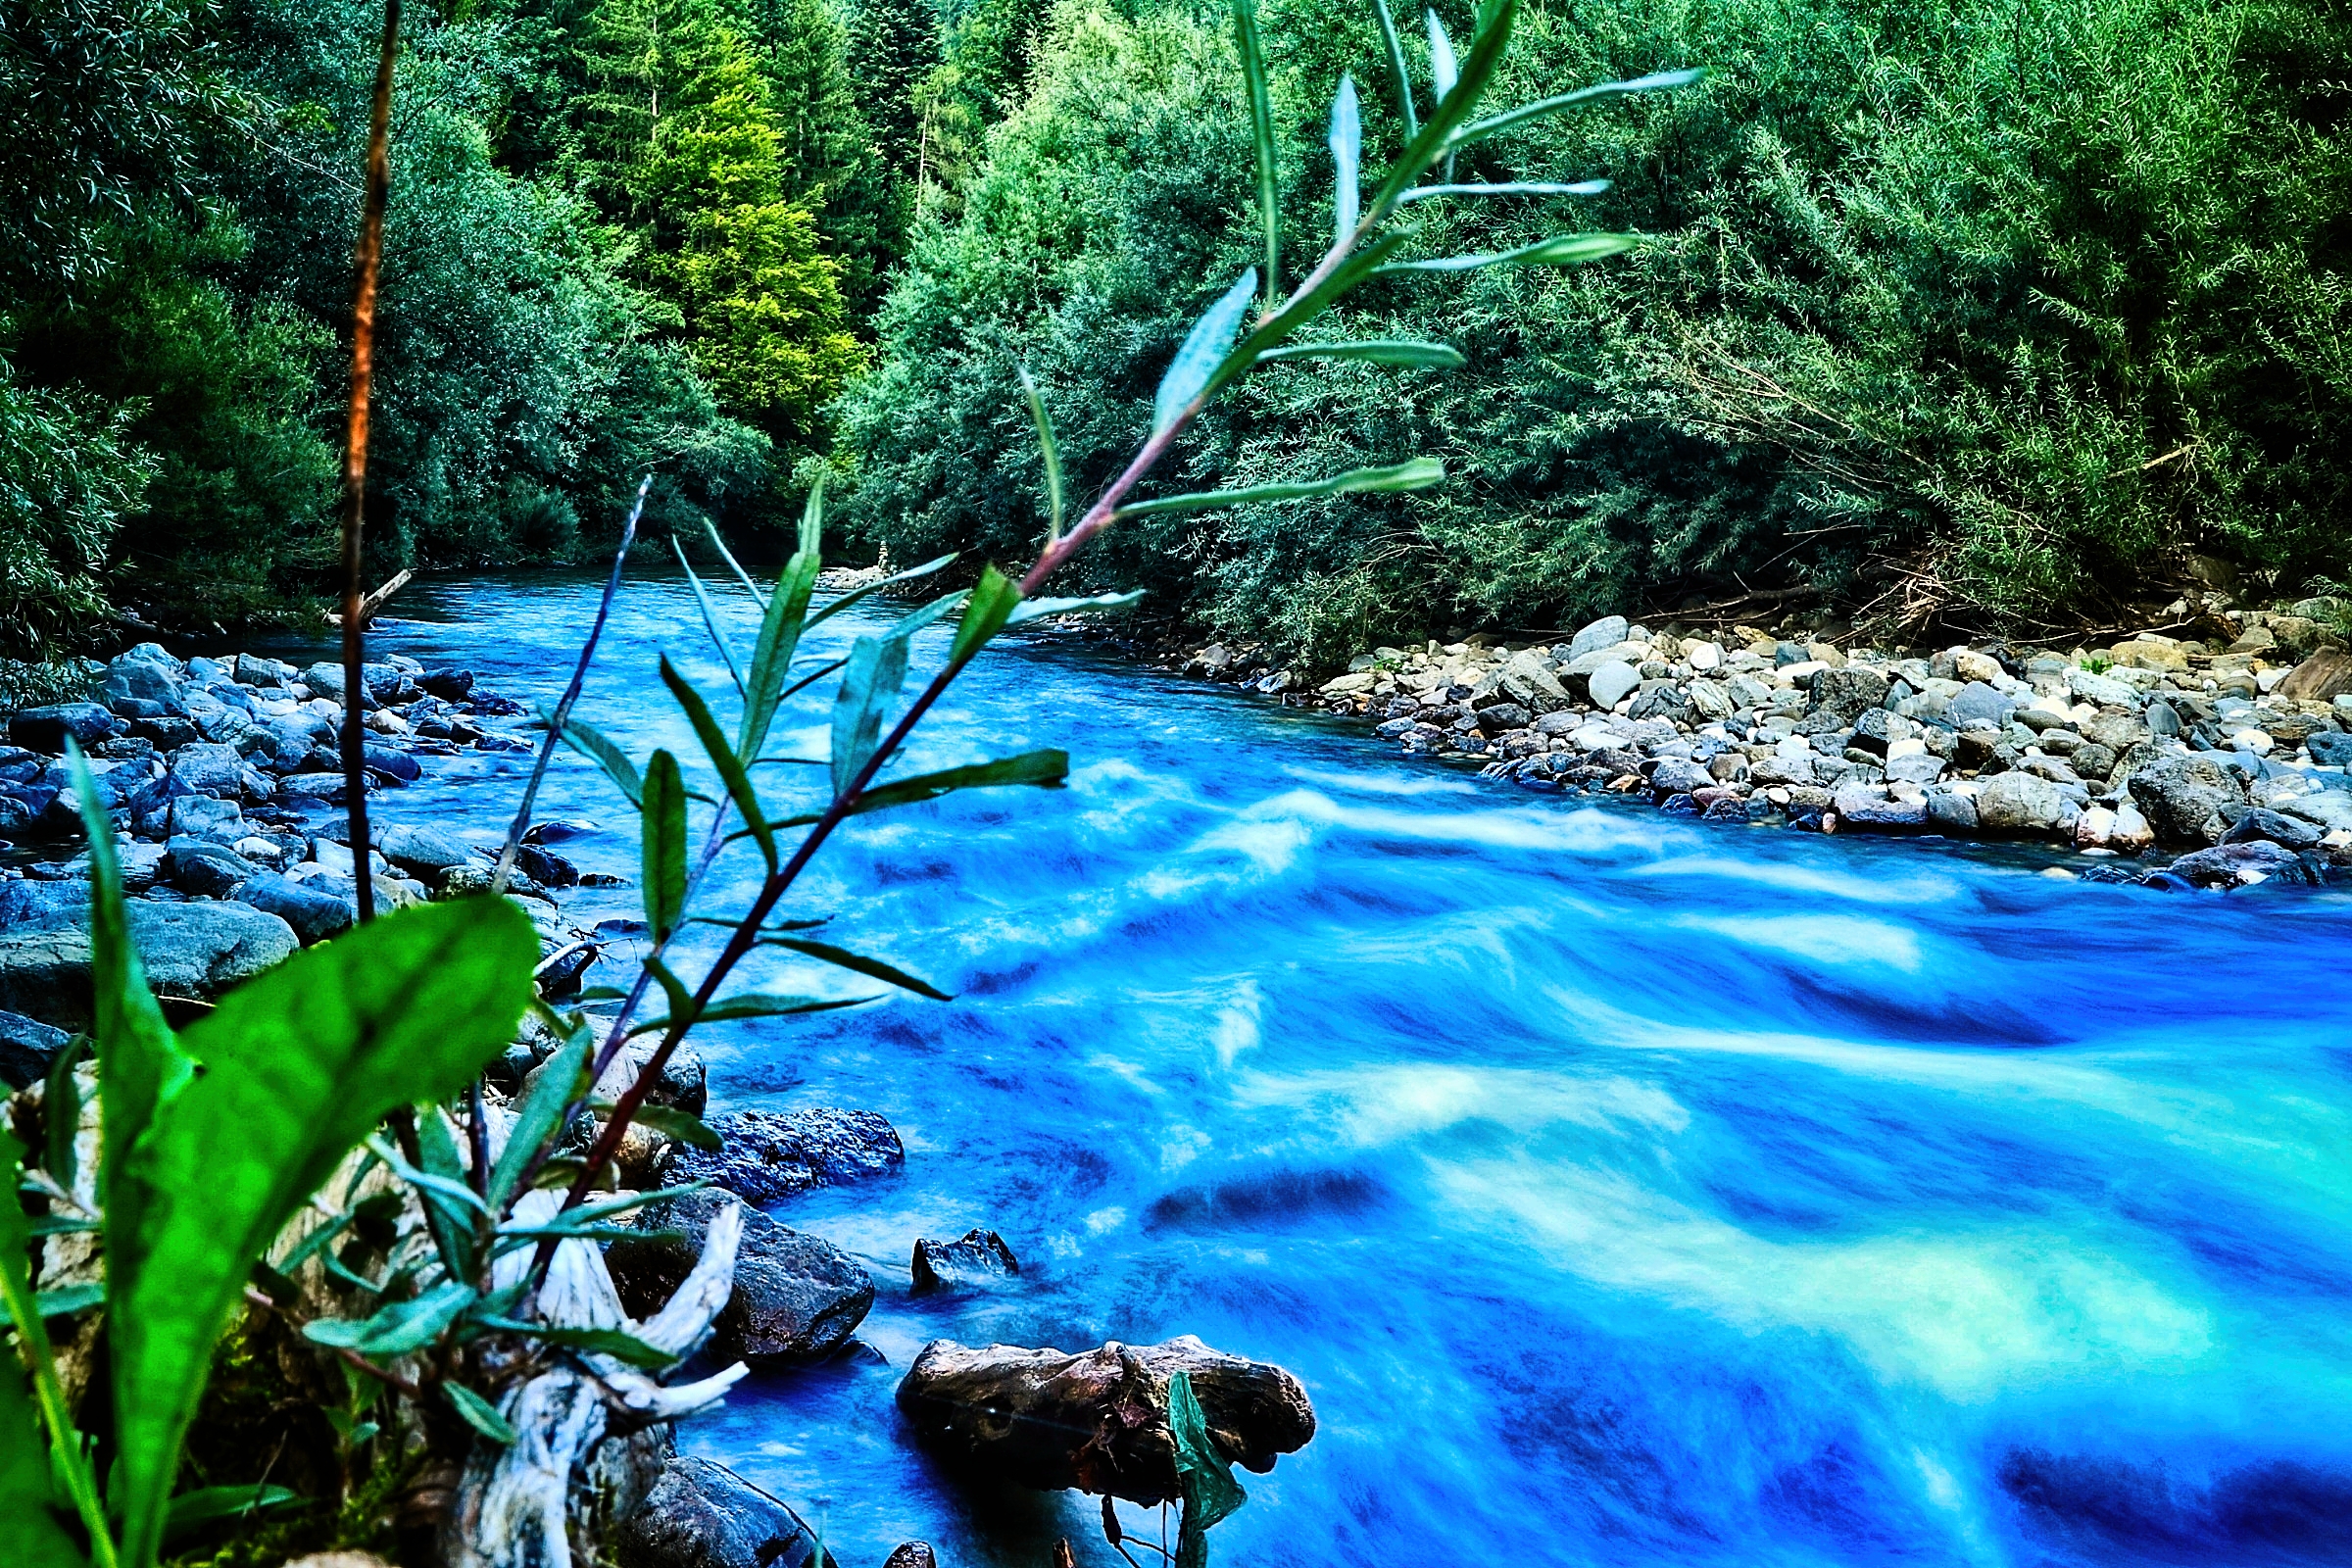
{"x":2167,"y":760}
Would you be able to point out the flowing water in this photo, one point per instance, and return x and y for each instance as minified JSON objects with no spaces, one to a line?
{"x":1623,"y":1189}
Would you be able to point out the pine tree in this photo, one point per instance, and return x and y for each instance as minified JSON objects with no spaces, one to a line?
{"x":894,"y":47}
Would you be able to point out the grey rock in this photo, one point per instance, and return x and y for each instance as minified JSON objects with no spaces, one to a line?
{"x":1864,"y":809}
{"x":1612,"y":682}
{"x":391,"y":763}
{"x":1532,"y":684}
{"x":146,"y":675}
{"x":44,"y":729}
{"x":1919,"y":767}
{"x":1501,"y":717}
{"x":1951,"y":813}
{"x":455,"y":685}
{"x":2163,"y":720}
{"x":425,"y":853}
{"x":313,"y":914}
{"x":252,"y":670}
{"x":769,"y":1156}
{"x":27,"y":1048}
{"x":1979,"y":702}
{"x":204,"y":867}
{"x":1606,"y":632}
{"x":1847,"y":692}
{"x":2332,"y":809}
{"x":204,"y":817}
{"x":2188,"y":799}
{"x":2226,"y":864}
{"x":2020,"y":803}
{"x":911,"y":1554}
{"x":2331,"y":748}
{"x":207,"y":769}
{"x":976,"y":1258}
{"x":2118,"y":732}
{"x":796,"y":1297}
{"x":2263,"y":823}
{"x":189,"y":950}
{"x":701,"y":1514}
{"x":1679,"y":776}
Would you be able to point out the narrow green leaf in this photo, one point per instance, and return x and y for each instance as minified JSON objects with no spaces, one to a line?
{"x":1346,"y":140}
{"x":835,"y":607}
{"x":1053,"y":457}
{"x":573,"y":1221}
{"x":1375,"y":351}
{"x":662,"y":853}
{"x":1044,"y":769}
{"x":34,"y":1536}
{"x":400,"y":1328}
{"x":1262,"y":135}
{"x":210,"y":1504}
{"x":874,"y":969}
{"x":60,"y":1225}
{"x":877,"y":669}
{"x":1039,"y":609}
{"x":554,"y":1085}
{"x":755,"y":1004}
{"x":1525,"y":113}
{"x":621,"y":1347}
{"x":451,"y":1224}
{"x":480,"y":1414}
{"x":701,"y":600}
{"x":592,"y":743}
{"x":1396,"y":70}
{"x":780,"y":629}
{"x":680,"y":1127}
{"x":736,"y":567}
{"x":1415,"y":473}
{"x":1307,"y":307}
{"x":715,"y":746}
{"x":1486,"y":56}
{"x":61,"y":1113}
{"x":1516,"y":187}
{"x":1203,"y":349}
{"x":1443,"y":73}
{"x":68,"y":1300}
{"x":994,"y":599}
{"x":1561,"y":250}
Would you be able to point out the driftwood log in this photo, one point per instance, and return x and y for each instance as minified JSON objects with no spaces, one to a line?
{"x":1096,"y":1421}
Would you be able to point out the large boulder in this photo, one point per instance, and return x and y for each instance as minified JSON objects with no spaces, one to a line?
{"x":701,"y":1514}
{"x":44,"y":729}
{"x":2235,"y":864}
{"x":1099,"y":1420}
{"x":1612,"y":682}
{"x":1847,"y":692}
{"x":2019,"y":803}
{"x":767,"y":1155}
{"x":189,"y":950}
{"x":1606,"y":632}
{"x":796,"y":1297}
{"x":2188,"y":799}
{"x":147,"y":674}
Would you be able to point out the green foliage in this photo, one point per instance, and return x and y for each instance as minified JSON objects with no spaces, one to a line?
{"x":68,"y":473}
{"x":1966,"y":318}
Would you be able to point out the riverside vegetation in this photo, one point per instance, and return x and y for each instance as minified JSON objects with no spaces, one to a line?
{"x":317,"y":1182}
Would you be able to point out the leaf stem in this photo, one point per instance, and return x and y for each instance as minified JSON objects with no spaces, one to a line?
{"x":33,"y":1341}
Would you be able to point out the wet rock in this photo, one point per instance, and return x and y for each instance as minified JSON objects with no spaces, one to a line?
{"x":27,"y":1049}
{"x":1503,"y":717}
{"x":146,"y":675}
{"x":204,"y":867}
{"x":2187,"y":800}
{"x":796,"y":1297}
{"x":911,"y":1554}
{"x":252,"y":670}
{"x":1676,"y":775}
{"x":2235,"y":865}
{"x":313,"y":914}
{"x":204,"y":817}
{"x":546,"y":867}
{"x":391,"y":763}
{"x":770,"y":1156}
{"x":209,"y":768}
{"x":1949,"y":811}
{"x":189,"y":950}
{"x":2263,"y":823}
{"x":1865,"y":808}
{"x":44,"y":729}
{"x":558,"y":830}
{"x":1098,"y":1420}
{"x":976,"y":1258}
{"x":450,"y":685}
{"x":2329,"y":747}
{"x":701,"y":1514}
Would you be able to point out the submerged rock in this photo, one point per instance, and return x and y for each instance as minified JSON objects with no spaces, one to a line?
{"x":796,"y":1297}
{"x":976,"y":1258}
{"x":1098,"y":1420}
{"x":770,"y":1156}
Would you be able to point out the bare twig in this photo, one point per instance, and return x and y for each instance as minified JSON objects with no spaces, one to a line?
{"x":572,"y":695}
{"x":355,"y":463}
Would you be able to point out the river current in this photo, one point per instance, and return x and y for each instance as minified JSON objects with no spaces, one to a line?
{"x":1624,"y":1189}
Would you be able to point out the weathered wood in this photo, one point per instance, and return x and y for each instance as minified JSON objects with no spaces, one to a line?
{"x":1096,"y":1421}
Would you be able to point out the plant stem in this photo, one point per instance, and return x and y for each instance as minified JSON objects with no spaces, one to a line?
{"x":355,"y":463}
{"x":572,"y":695}
{"x":32,"y":1339}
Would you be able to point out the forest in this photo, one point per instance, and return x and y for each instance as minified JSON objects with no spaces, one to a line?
{"x":1985,"y":315}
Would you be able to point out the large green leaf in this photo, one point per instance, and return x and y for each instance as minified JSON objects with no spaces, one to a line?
{"x":211,"y":1505}
{"x":1414,"y":473}
{"x":877,"y":669}
{"x":1261,"y":137}
{"x":299,"y":1066}
{"x":663,"y":852}
{"x":1203,"y":349}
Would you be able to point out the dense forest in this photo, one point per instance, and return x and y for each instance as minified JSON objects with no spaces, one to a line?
{"x":1988,"y":314}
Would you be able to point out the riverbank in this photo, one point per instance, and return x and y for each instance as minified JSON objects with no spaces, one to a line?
{"x":2169,"y":760}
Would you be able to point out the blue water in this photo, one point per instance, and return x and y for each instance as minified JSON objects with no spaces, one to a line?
{"x":1625,"y":1189}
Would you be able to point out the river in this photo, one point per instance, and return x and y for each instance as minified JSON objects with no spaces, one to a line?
{"x":1624,"y":1189}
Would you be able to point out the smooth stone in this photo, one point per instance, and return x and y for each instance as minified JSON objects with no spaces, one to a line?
{"x":45,"y":729}
{"x":204,"y":867}
{"x":796,"y":1297}
{"x":701,"y":1514}
{"x":1612,"y":682}
{"x":313,"y":914}
{"x":1980,"y":703}
{"x":1951,"y":811}
{"x":1867,"y":808}
{"x":427,"y":853}
{"x":189,"y":950}
{"x":1606,"y":632}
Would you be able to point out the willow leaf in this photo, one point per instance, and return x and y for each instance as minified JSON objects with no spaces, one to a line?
{"x":872,"y":969}
{"x":1346,"y":141}
{"x":714,"y":747}
{"x":1047,"y":449}
{"x":1514,"y":187}
{"x":1203,"y":351}
{"x":755,"y":1004}
{"x":1511,"y":118}
{"x":593,"y":743}
{"x":876,"y":670}
{"x":994,"y":600}
{"x":1396,"y":70}
{"x":701,"y":600}
{"x":1454,"y":106}
{"x":1262,"y":135}
{"x":781,"y":627}
{"x":1561,"y":250}
{"x":1415,"y":473}
{"x":664,"y":851}
{"x":1375,"y":351}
